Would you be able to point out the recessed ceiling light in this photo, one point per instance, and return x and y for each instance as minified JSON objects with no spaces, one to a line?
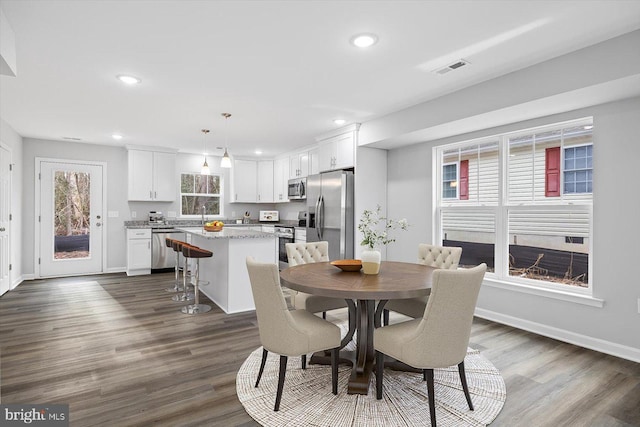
{"x":339,"y":121}
{"x":258,"y":152}
{"x":364,"y":40}
{"x":130,"y":80}
{"x":116,"y":136}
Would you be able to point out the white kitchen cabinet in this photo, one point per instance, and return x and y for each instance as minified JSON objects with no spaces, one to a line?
{"x":138,"y":251}
{"x":337,"y":151}
{"x":245,"y":181}
{"x":152,"y":176}
{"x":280,"y":179}
{"x":299,"y":165}
{"x":265,"y":181}
{"x":314,"y":167}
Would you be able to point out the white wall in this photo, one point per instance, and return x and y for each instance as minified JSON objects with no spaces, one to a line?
{"x":11,"y":140}
{"x":614,"y":328}
{"x":409,"y":196}
{"x":370,"y":190}
{"x":116,"y":159}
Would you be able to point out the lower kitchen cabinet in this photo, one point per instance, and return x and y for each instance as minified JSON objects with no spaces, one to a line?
{"x":138,"y":251}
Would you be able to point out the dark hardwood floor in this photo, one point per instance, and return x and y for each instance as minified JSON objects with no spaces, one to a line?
{"x":120,"y":353}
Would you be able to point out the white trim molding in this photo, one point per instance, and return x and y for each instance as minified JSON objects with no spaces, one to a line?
{"x":607,"y":347}
{"x":583,"y":299}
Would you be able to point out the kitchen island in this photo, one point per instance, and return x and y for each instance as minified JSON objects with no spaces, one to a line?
{"x":229,"y":286}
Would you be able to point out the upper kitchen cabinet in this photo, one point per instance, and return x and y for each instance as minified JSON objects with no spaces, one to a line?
{"x":281,"y":179}
{"x":337,"y":149}
{"x":252,"y":181}
{"x":265,"y":181}
{"x":314,"y":167}
{"x":244,"y":181}
{"x":152,"y":176}
{"x":299,"y":165}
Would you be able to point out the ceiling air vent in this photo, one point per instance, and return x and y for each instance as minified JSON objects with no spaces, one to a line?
{"x":451,"y":67}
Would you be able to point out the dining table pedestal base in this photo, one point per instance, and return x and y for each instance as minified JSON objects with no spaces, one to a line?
{"x":363,"y":359}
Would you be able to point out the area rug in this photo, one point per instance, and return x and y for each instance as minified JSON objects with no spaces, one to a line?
{"x":307,"y":399}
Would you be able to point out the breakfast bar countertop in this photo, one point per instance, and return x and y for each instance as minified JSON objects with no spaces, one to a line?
{"x":227,"y":233}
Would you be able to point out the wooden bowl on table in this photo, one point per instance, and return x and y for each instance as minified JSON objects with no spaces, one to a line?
{"x":213,"y":227}
{"x":347,"y":264}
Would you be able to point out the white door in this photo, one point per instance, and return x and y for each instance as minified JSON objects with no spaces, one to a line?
{"x":71,"y":218}
{"x":5,"y":209}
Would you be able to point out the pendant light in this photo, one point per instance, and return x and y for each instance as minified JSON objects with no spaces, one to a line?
{"x":205,"y":166}
{"x":226,"y":160}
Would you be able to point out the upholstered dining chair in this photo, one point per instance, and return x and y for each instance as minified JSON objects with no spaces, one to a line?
{"x":285,"y":332}
{"x":446,"y":257}
{"x":438,"y":339}
{"x":304,"y":253}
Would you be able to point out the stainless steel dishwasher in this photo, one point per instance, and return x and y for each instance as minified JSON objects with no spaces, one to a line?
{"x":162,"y":257}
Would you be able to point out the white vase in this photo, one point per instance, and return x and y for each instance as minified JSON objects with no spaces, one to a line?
{"x":370,"y":261}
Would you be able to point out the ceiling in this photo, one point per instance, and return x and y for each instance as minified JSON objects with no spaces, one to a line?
{"x":283,"y":69}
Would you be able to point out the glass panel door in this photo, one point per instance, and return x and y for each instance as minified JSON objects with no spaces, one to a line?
{"x":71,"y":222}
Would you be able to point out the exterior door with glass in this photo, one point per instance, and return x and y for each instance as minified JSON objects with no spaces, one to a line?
{"x":71,"y":219}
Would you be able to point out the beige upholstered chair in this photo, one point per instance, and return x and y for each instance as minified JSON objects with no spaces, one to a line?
{"x":304,"y":253}
{"x":438,"y":339}
{"x":446,"y":257}
{"x":284,"y":332}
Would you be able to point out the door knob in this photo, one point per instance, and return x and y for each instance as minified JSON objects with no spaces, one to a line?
{"x":98,"y":216}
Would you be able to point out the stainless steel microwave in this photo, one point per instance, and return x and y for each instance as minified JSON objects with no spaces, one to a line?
{"x":297,"y":189}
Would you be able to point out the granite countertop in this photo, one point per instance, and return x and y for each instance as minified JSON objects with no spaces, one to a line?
{"x":227,"y":233}
{"x":182,"y":223}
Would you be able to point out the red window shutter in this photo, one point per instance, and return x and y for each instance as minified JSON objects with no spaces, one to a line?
{"x":464,"y":180}
{"x":552,"y":172}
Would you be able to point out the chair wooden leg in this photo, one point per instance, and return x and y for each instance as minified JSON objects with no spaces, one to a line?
{"x":385,"y":317}
{"x":379,"y":374}
{"x":334,"y":370}
{"x":463,"y":379}
{"x":424,"y":375}
{"x":324,"y":315}
{"x":303,"y":358}
{"x":264,"y":360}
{"x":432,"y":397}
{"x":283,"y":370}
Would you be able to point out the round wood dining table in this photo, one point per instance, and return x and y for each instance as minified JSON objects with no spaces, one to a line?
{"x":396,"y":280}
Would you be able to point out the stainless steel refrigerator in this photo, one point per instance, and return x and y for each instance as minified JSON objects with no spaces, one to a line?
{"x":330,"y":212}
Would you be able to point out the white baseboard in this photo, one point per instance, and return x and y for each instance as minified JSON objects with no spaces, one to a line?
{"x":17,"y":282}
{"x":608,"y":347}
{"x":116,"y":270}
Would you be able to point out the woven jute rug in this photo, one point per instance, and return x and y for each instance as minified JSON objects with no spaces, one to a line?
{"x":307,"y":399}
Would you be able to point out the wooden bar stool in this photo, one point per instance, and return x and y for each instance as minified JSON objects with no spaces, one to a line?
{"x":177,"y":246}
{"x":194,"y":252}
{"x":177,"y":286}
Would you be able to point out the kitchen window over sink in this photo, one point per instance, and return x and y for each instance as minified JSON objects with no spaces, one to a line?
{"x":521,"y":202}
{"x":198,"y":190}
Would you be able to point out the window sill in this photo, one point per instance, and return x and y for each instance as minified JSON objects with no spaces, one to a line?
{"x":543,"y":292}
